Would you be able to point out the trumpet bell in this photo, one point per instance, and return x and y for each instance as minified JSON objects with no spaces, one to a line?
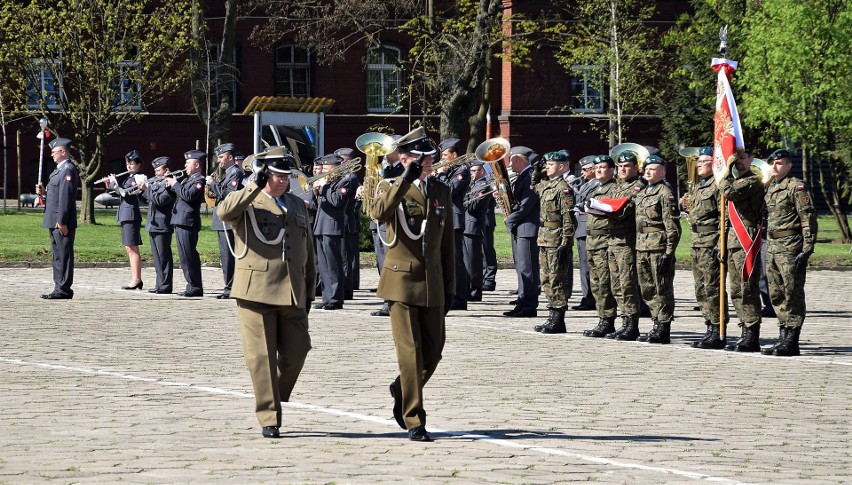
{"x":375,"y":144}
{"x":492,"y":150}
{"x":640,"y":151}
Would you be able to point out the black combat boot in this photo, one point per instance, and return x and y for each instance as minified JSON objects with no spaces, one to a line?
{"x":550,"y":316}
{"x":782,"y":332}
{"x":790,"y":346}
{"x":660,"y":334}
{"x":644,"y":338}
{"x":749,"y":342}
{"x":714,"y":342}
{"x":605,"y":326}
{"x":631,"y":328}
{"x":625,"y":324}
{"x":557,"y":324}
{"x":707,"y":334}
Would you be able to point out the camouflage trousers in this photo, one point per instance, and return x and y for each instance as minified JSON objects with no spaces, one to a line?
{"x":705,"y":271}
{"x":786,"y":289}
{"x":612,"y":272}
{"x":554,"y":277}
{"x":657,"y":287}
{"x":744,"y":294}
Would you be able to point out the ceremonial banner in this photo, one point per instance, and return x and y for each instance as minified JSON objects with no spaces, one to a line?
{"x":607,"y":205}
{"x":727,"y":133}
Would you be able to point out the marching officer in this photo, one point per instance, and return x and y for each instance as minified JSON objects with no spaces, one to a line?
{"x":418,"y":274}
{"x":231,"y":182}
{"x":159,"y":227}
{"x":458,"y":180}
{"x":657,"y":237}
{"x":60,"y":217}
{"x":352,"y":231}
{"x":792,"y":232}
{"x":186,"y":220}
{"x":475,"y":213}
{"x":554,"y":236}
{"x":703,"y":207}
{"x":589,"y":184}
{"x":333,"y":198}
{"x":272,"y":304}
{"x":391,"y":167}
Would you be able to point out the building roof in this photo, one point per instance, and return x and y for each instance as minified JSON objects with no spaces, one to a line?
{"x":288,"y":104}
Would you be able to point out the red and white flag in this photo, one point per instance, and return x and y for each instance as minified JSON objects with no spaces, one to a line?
{"x":607,"y":205}
{"x":727,"y":133}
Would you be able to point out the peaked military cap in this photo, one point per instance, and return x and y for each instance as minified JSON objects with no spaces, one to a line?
{"x":160,"y":161}
{"x":344,"y":152}
{"x":283,"y":164}
{"x":195,"y":155}
{"x":133,"y":155}
{"x":521,"y":150}
{"x":239,"y":156}
{"x":224,"y":148}
{"x":330,"y":159}
{"x":779,"y":154}
{"x":416,"y":142}
{"x":60,"y":143}
{"x":587,"y":160}
{"x":449,"y":143}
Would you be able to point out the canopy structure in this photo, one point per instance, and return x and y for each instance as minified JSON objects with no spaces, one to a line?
{"x":298,"y":123}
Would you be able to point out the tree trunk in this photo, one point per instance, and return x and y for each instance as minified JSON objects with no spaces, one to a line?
{"x":91,"y":169}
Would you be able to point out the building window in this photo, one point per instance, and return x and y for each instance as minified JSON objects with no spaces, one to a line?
{"x":292,"y":71}
{"x":222,"y":79}
{"x":384,"y":84}
{"x":44,"y":84}
{"x":586,"y":87}
{"x":128,"y":94}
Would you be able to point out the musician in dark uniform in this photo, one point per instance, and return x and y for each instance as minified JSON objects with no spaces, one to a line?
{"x":589,"y":184}
{"x":129,"y":216}
{"x":489,"y":254}
{"x":351,"y":231}
{"x":231,"y":182}
{"x":159,"y":227}
{"x":333,"y":197}
{"x":60,"y":218}
{"x":391,"y":167}
{"x":458,"y":180}
{"x":272,"y":304}
{"x":418,"y":274}
{"x":186,"y":219}
{"x":522,"y":225}
{"x":476,"y":208}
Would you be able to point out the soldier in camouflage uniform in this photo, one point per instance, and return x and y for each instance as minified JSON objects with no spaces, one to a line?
{"x":657,"y":236}
{"x":745,"y":193}
{"x":704,"y":222}
{"x":792,"y":232}
{"x":555,"y":236}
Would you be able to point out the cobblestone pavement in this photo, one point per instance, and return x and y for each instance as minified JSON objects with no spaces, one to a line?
{"x":127,"y":386}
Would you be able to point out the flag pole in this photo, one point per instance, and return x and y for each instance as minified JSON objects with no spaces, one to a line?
{"x":723,"y":269}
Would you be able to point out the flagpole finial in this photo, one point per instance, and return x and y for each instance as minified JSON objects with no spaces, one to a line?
{"x":723,"y":40}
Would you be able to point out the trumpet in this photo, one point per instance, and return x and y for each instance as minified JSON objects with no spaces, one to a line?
{"x":105,"y":179}
{"x":342,"y":170}
{"x":155,"y":181}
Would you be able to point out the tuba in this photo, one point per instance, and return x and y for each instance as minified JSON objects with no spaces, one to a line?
{"x":760,"y":168}
{"x":691,"y":156}
{"x":374,"y":145}
{"x":492,"y":152}
{"x":640,"y":151}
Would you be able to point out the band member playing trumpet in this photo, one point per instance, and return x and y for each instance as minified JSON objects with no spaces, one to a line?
{"x":130,"y":217}
{"x":230,"y":182}
{"x":476,"y":204}
{"x":186,"y":219}
{"x":458,"y":180}
{"x":351,"y":229}
{"x":333,"y":198}
{"x":159,"y":227}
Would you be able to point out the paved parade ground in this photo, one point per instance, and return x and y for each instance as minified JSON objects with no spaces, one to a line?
{"x":126,"y":386}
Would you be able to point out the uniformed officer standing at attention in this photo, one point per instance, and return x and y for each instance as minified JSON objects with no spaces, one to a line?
{"x":333,"y":199}
{"x":273,"y":285}
{"x":458,"y":180}
{"x":489,"y":254}
{"x":186,"y":219}
{"x":554,"y":236}
{"x":657,"y":237}
{"x":475,"y":212}
{"x":418,"y":274}
{"x":231,"y":182}
{"x":522,"y":225}
{"x":130,"y":217}
{"x":60,"y":218}
{"x":352,"y":230}
{"x":744,"y":194}
{"x":792,"y":235}
{"x":589,"y":184}
{"x":159,"y":227}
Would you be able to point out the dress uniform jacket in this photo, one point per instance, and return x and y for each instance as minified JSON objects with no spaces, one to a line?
{"x":187,"y":209}
{"x":522,"y":224}
{"x":231,"y":182}
{"x":160,"y":203}
{"x":416,"y":272}
{"x":523,"y":221}
{"x":459,"y":181}
{"x":332,"y":201}
{"x":128,"y":209}
{"x":476,"y":209}
{"x":61,"y":204}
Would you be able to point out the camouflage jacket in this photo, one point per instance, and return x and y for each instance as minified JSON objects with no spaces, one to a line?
{"x":556,"y":216}
{"x":746,"y":193}
{"x":792,"y":226}
{"x":620,"y":224}
{"x":704,"y":213}
{"x":656,"y":227}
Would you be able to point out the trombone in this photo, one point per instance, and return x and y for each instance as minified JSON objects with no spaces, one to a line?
{"x":342,"y":170}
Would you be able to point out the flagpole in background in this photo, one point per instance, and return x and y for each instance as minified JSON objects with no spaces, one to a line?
{"x":42,"y":123}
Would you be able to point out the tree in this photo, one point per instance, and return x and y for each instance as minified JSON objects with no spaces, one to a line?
{"x":91,"y":67}
{"x":798,"y":74}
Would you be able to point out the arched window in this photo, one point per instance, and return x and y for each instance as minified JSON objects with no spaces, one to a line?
{"x":384,"y":83}
{"x":292,"y":71}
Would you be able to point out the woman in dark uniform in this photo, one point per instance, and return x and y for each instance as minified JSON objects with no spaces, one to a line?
{"x":130,"y":217}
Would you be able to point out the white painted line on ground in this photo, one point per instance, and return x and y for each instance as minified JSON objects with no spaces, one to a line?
{"x":375,"y":419}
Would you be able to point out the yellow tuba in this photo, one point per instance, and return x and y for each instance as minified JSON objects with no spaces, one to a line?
{"x":640,"y":151}
{"x":374,"y":145}
{"x":691,"y":156}
{"x":492,"y":152}
{"x":759,"y":167}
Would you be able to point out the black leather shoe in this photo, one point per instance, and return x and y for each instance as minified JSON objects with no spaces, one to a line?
{"x":396,"y":394}
{"x":526,"y":313}
{"x":191,"y":294}
{"x":333,"y":306}
{"x":160,"y":292}
{"x":318,"y":306}
{"x":514,"y":302}
{"x":583,"y":306}
{"x":137,"y":286}
{"x":223,"y":296}
{"x":489,"y":287}
{"x":271,"y":432}
{"x":419,"y":434}
{"x":56,"y":296}
{"x":383,"y":312}
{"x":458,"y":306}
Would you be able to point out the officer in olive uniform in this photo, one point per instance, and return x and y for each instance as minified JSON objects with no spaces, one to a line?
{"x":522,"y":225}
{"x":273,"y":285}
{"x":391,"y":167}
{"x":60,"y":217}
{"x":657,"y":237}
{"x":702,"y":204}
{"x":475,"y":212}
{"x":333,"y":199}
{"x":352,"y":231}
{"x":744,"y":194}
{"x":418,"y":278}
{"x":231,"y":182}
{"x":129,"y":216}
{"x":160,"y":203}
{"x":589,"y":184}
{"x":458,"y":180}
{"x":554,"y":236}
{"x":792,"y":232}
{"x":186,"y":219}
